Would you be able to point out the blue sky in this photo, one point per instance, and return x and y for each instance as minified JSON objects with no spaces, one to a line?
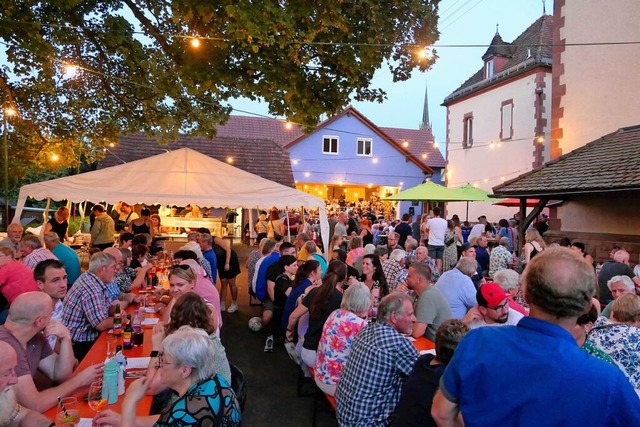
{"x":462,"y":22}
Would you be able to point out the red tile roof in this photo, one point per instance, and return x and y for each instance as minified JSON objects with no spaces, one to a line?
{"x":420,"y":142}
{"x":261,"y":157}
{"x":530,"y":49}
{"x":264,"y":128}
{"x":608,"y":164}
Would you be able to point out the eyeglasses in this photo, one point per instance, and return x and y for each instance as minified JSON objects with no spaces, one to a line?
{"x":179,"y":267}
{"x":500,"y":307}
{"x":161,"y":362}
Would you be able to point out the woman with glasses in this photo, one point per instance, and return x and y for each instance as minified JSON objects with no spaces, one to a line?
{"x":191,"y":310}
{"x":188,"y":277}
{"x":186,"y":365}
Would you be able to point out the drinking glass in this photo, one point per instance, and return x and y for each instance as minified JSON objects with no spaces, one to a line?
{"x":112,"y":341}
{"x":68,"y":414}
{"x":98,"y":396}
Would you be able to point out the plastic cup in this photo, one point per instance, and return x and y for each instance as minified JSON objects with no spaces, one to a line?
{"x":68,"y":414}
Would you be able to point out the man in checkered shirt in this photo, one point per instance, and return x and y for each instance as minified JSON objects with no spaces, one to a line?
{"x":380,"y":360}
{"x":86,"y":307}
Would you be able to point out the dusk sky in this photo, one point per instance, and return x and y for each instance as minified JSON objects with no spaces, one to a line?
{"x":462,"y":22}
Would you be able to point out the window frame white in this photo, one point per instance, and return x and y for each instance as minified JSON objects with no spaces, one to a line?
{"x":364,"y":143}
{"x":331,"y":138}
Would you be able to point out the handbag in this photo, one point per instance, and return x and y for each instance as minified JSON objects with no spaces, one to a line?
{"x":449,"y":241}
{"x":276,"y":236}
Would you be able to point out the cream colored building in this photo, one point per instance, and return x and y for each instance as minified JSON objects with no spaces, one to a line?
{"x":596,"y":84}
{"x":498,"y":121}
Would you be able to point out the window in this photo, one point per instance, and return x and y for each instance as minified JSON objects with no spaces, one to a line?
{"x":329,"y":144}
{"x":364,"y":147}
{"x":488,"y":69}
{"x":506,"y":120}
{"x":467,"y":135}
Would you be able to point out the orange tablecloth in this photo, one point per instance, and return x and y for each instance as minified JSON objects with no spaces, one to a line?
{"x":422,"y":344}
{"x":97,"y":354}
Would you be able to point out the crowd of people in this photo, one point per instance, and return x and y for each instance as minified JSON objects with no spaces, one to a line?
{"x":559,"y":324}
{"x":53,"y":314}
{"x":347,"y":325}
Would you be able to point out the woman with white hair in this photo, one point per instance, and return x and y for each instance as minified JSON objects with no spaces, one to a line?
{"x":338,"y":333}
{"x":186,"y":365}
{"x":619,"y":337}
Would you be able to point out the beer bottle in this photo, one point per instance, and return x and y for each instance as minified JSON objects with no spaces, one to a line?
{"x":127,"y":342}
{"x":117,"y":321}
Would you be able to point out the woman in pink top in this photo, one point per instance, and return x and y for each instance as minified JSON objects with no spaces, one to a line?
{"x":355,"y":250}
{"x":15,"y":279}
{"x":205,"y":288}
{"x":338,"y":333}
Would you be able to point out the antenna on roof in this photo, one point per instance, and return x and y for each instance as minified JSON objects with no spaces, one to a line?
{"x":497,"y":28}
{"x":544,"y":7}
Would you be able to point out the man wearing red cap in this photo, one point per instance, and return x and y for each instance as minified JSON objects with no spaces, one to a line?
{"x":492,"y":309}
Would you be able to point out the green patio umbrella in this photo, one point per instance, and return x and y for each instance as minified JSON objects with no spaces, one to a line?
{"x":429,"y":191}
{"x":474,"y":194}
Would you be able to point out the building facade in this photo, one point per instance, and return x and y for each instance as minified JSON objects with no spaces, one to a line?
{"x":498,"y":121}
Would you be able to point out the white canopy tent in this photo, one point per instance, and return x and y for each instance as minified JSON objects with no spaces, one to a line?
{"x":179,"y":177}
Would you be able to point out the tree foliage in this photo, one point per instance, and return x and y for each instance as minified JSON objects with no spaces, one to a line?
{"x":139,"y":72}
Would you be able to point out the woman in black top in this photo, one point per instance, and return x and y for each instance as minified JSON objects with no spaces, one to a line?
{"x":59,"y":223}
{"x":320,"y":302}
{"x":143,"y":224}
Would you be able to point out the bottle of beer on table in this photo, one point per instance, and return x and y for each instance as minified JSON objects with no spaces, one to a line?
{"x":127,"y":335}
{"x":136,"y":326}
{"x":117,"y":321}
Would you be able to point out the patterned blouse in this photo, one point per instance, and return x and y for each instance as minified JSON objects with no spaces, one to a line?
{"x":338,"y":333}
{"x":622,"y":343}
{"x":202,"y":405}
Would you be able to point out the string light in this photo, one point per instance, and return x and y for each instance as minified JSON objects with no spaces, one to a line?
{"x":295,"y":161}
{"x":229,"y":159}
{"x":70,"y":70}
{"x":55,"y":157}
{"x":195,"y":42}
{"x":375,"y":160}
{"x":423,"y":53}
{"x":540,"y":139}
{"x":288,"y":125}
{"x":405,"y":143}
{"x":307,"y":174}
{"x":425,"y":155}
{"x":10,"y":112}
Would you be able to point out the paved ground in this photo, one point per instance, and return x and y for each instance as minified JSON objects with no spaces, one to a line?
{"x":271,"y":377}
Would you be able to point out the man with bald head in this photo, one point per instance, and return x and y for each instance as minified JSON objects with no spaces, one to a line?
{"x":26,"y":330}
{"x":11,"y":413}
{"x":555,"y":376}
{"x":619,"y":266}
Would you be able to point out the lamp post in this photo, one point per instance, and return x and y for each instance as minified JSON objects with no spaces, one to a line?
{"x":8,"y":112}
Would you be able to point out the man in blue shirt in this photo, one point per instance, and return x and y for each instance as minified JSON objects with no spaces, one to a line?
{"x":534,"y":373}
{"x":67,"y":256}
{"x":206,"y":245}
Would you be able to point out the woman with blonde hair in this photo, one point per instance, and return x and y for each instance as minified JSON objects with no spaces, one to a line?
{"x":59,"y":224}
{"x":534,"y":244}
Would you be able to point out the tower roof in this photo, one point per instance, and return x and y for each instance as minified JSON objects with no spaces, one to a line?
{"x":499,"y":47}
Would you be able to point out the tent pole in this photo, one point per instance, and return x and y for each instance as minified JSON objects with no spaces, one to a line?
{"x":467,"y":218}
